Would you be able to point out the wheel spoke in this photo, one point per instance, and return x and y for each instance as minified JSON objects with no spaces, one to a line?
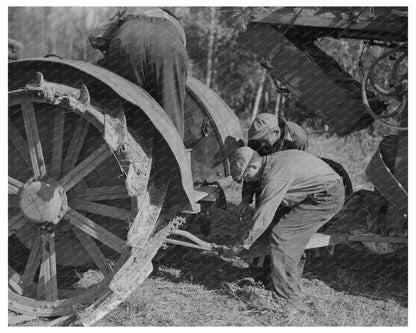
{"x":48,"y":285}
{"x":32,"y":133}
{"x":104,"y":193}
{"x":32,"y":265}
{"x":13,"y":202}
{"x":15,"y":281}
{"x":85,"y":167}
{"x":15,"y":223}
{"x":93,"y":250}
{"x":14,"y":185}
{"x":19,"y":143}
{"x":75,"y":146}
{"x":95,"y":231}
{"x":103,"y":210}
{"x":57,"y":146}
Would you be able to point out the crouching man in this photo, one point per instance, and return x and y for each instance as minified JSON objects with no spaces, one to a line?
{"x":295,"y":179}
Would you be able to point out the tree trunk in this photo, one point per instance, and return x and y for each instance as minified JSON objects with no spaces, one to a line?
{"x":70,"y":48}
{"x":48,"y":30}
{"x":286,"y":105}
{"x":277,"y":106}
{"x":258,"y":95}
{"x":279,"y":97}
{"x":282,"y":105}
{"x":211,"y":39}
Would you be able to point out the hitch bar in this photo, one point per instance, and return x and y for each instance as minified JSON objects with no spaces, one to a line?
{"x":317,"y":240}
{"x":198,"y":243}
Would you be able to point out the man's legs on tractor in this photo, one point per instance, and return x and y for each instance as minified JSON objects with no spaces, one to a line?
{"x":291,"y":235}
{"x":152,"y":55}
{"x":165,"y":75}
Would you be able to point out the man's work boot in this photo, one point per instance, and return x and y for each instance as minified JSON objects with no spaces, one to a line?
{"x":292,"y":309}
{"x":265,"y":302}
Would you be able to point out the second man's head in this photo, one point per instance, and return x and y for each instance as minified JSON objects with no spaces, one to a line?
{"x":264,"y":131}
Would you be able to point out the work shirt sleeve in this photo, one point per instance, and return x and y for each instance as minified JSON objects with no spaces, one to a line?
{"x":270,"y":198}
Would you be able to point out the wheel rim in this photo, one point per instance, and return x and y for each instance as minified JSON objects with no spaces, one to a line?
{"x":68,"y":208}
{"x":398,"y":91}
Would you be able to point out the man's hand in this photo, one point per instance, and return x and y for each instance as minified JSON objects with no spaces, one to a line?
{"x":227,"y":252}
{"x":244,"y":208}
{"x":220,"y":249}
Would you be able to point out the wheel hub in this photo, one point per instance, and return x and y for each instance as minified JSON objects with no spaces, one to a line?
{"x":42,"y":201}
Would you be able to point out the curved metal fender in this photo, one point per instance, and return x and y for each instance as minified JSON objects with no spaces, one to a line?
{"x":226,"y":124}
{"x":386,"y":183}
{"x":128,"y":91}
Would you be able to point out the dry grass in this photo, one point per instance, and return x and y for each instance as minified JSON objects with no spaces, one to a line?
{"x":191,"y":288}
{"x":353,"y":152}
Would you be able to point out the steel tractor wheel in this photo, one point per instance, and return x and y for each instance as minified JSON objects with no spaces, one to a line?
{"x":71,"y":213}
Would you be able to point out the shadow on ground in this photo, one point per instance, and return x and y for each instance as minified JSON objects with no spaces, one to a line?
{"x":361,"y":273}
{"x":347,"y":270}
{"x":209,"y":270}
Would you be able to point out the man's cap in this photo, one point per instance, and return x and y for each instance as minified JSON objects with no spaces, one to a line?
{"x":239,"y":160}
{"x":263,"y":123}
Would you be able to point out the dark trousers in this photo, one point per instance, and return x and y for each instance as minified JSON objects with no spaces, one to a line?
{"x":152,"y":55}
{"x":292,"y":233}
